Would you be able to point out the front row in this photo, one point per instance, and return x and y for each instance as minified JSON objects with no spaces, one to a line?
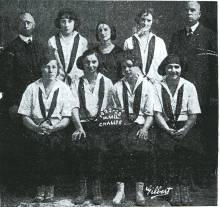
{"x":48,"y":104}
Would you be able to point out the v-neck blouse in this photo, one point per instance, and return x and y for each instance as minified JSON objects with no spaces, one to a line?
{"x":91,"y":97}
{"x":160,"y":53}
{"x":190,"y":103}
{"x":147,"y":98}
{"x":30,"y":105}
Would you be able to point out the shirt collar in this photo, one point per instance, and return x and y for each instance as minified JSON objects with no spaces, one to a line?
{"x":150,"y":36}
{"x":194,"y":27}
{"x":74,"y":33}
{"x":26,"y":39}
{"x":181,"y":82}
{"x":139,"y":81}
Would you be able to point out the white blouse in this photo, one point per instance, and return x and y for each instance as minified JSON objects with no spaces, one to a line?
{"x":190,"y":103}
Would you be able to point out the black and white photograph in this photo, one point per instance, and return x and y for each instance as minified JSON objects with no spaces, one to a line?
{"x":108,"y":103}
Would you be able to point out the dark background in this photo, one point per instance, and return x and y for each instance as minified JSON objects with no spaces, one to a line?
{"x":121,"y":14}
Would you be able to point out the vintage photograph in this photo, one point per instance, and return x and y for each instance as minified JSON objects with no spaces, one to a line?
{"x":108,"y":103}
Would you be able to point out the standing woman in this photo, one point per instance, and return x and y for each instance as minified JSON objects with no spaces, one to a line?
{"x":176,"y":108}
{"x":95,"y":93}
{"x":148,"y":49}
{"x":68,"y":45}
{"x":108,"y":52}
{"x":46,"y":108}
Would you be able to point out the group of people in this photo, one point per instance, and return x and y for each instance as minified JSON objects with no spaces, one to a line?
{"x":47,"y":89}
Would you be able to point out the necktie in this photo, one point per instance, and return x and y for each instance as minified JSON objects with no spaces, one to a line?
{"x":29,"y":42}
{"x":189,"y":33}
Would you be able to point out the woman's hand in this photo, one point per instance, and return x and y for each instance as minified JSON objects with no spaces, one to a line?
{"x":45,"y":129}
{"x":181,"y":133}
{"x":171,"y":131}
{"x":78,"y":135}
{"x":142,"y":134}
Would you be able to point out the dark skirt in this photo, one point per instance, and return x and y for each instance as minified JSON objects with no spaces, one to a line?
{"x":45,"y":155}
{"x":191,"y":142}
{"x":124,"y":138}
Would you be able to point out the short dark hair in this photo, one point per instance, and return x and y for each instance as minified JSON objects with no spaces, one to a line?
{"x":79,"y":62}
{"x":112,"y":28}
{"x":70,"y":15}
{"x":172,"y":58}
{"x":144,"y":11}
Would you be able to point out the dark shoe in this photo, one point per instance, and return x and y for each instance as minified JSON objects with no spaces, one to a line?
{"x":40,"y":194}
{"x":175,"y":196}
{"x":186,"y":199}
{"x":97,"y":195}
{"x":49,"y":194}
{"x":82,"y":192}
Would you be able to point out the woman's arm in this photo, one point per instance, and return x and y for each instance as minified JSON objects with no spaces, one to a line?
{"x":188,"y":125}
{"x":61,"y":125}
{"x":143,"y":132}
{"x":162,"y":123}
{"x":29,"y":123}
{"x":76,"y":121}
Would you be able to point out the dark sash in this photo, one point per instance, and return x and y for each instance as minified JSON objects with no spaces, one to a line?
{"x":72,"y":56}
{"x":82,"y":99}
{"x":150,"y":54}
{"x":136,"y":104}
{"x":52,"y":106}
{"x":167,"y":106}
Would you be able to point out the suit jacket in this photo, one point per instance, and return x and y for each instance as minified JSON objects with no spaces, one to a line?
{"x":196,"y":50}
{"x":20,"y":67}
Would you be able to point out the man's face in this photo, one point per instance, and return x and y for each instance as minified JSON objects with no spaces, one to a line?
{"x":66,"y":25}
{"x":192,"y":13}
{"x":90,"y":63}
{"x":26,"y":25}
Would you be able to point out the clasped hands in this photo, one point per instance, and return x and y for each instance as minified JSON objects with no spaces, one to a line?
{"x":45,"y":129}
{"x":178,"y":134}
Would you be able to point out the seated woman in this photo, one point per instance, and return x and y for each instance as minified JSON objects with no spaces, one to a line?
{"x":108,"y":52}
{"x":176,"y":108}
{"x":94,"y":91}
{"x":68,"y":44}
{"x":148,"y":49}
{"x":46,"y":108}
{"x":133,"y":146}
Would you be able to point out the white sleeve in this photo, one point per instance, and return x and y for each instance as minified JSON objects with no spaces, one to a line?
{"x":193,"y":102}
{"x":25,"y":107}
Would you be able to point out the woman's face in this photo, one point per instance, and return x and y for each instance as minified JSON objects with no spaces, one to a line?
{"x":146,"y":21}
{"x":104,"y":32}
{"x":50,"y":70}
{"x":66,"y":25}
{"x":90,"y":64}
{"x":173,"y":71}
{"x":128,"y":70}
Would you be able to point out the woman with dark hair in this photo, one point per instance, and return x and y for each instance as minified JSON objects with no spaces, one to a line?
{"x":108,"y":52}
{"x":176,"y":108}
{"x":68,"y":45}
{"x":46,"y":108}
{"x":94,"y":91}
{"x":148,"y":49}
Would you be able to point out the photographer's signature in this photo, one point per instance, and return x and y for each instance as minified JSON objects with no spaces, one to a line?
{"x":156,"y":191}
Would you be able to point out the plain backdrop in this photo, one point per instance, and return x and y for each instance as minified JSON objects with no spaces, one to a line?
{"x":121,"y":14}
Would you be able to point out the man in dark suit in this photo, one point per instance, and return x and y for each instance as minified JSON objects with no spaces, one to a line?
{"x":19,"y":67}
{"x":22,"y":57}
{"x":198,"y":45}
